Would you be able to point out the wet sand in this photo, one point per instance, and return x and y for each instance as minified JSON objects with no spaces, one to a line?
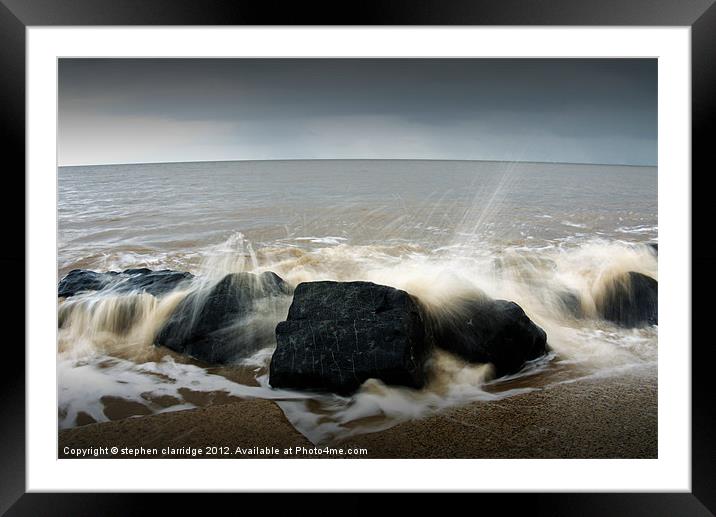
{"x":606,"y":418}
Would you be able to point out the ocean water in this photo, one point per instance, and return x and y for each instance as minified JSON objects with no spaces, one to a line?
{"x":520,"y":231}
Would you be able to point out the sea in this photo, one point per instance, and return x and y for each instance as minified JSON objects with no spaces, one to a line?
{"x":520,"y":231}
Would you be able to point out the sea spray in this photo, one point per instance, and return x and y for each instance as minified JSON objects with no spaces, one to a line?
{"x":106,"y":341}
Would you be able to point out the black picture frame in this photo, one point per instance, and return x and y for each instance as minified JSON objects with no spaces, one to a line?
{"x":700,"y":15}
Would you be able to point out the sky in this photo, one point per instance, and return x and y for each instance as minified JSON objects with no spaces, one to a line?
{"x":175,"y":110}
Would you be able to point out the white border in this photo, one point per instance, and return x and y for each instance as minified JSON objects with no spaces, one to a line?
{"x":670,"y":472}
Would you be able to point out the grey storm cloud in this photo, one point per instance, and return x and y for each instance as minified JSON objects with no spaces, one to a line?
{"x":562,"y":110}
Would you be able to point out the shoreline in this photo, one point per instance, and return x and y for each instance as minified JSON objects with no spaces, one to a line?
{"x":275,"y":160}
{"x":614,"y":417}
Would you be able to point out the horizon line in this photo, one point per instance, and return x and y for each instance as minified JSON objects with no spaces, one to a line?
{"x":355,"y":159}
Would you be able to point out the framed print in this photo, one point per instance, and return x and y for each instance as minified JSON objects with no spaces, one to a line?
{"x":442,"y":249}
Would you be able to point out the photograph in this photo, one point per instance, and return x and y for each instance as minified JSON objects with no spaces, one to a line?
{"x":357,"y":258}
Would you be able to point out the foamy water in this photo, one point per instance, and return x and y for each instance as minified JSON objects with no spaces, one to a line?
{"x":524,"y":232}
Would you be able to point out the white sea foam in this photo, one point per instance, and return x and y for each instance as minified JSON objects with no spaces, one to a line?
{"x":322,"y":240}
{"x":97,"y":360}
{"x":574,"y":225}
{"x":640,"y":229}
{"x":83,"y":384}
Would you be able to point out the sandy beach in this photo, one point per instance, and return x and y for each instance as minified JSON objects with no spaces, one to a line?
{"x":602,"y":418}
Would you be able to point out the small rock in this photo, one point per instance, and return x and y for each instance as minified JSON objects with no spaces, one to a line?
{"x":483,"y":330}
{"x":629,"y":299}
{"x":130,"y":280}
{"x":228,"y":320}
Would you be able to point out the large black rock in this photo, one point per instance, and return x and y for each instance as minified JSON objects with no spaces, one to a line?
{"x":229,"y":320}
{"x":130,"y":280}
{"x":339,"y":334}
{"x":630,"y":300}
{"x":483,"y":330}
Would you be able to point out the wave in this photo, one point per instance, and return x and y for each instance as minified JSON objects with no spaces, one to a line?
{"x":106,"y":352}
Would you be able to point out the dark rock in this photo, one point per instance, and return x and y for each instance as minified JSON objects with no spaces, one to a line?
{"x":630,"y":300}
{"x":130,"y":280}
{"x":81,"y":280}
{"x":653,"y":247}
{"x":139,"y":271}
{"x":339,"y":334}
{"x":570,"y":303}
{"x":483,"y":330}
{"x":152,"y":282}
{"x":228,"y":320}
